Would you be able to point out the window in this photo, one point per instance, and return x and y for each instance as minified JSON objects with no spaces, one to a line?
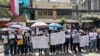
{"x":49,"y":12}
{"x":63,"y":12}
{"x":39,"y":12}
{"x":44,"y":12}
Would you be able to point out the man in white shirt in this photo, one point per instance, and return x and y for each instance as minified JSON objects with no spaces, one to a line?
{"x":93,"y":40}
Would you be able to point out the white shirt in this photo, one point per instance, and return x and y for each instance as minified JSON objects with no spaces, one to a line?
{"x":11,"y":36}
{"x":95,"y":34}
{"x":67,"y":36}
{"x":4,"y":36}
{"x":27,"y":34}
{"x":5,"y":39}
{"x":19,"y":36}
{"x":92,"y":35}
{"x":76,"y":38}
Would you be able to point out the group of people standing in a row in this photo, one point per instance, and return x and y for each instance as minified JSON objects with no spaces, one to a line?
{"x":20,"y":44}
{"x":16,"y":43}
{"x":72,"y":41}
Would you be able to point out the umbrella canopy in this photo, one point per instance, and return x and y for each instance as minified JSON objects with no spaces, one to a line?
{"x":7,"y":29}
{"x":15,"y":26}
{"x":39,"y":25}
{"x":25,"y":28}
{"x":55,"y":25}
{"x":4,"y":29}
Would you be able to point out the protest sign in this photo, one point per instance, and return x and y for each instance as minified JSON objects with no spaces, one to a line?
{"x":84,"y":41}
{"x":40,"y":42}
{"x":57,"y":38}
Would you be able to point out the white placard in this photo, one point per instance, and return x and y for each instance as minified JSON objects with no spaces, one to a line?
{"x":84,"y":40}
{"x":19,"y":36}
{"x":40,"y":42}
{"x":11,"y":36}
{"x":57,"y":38}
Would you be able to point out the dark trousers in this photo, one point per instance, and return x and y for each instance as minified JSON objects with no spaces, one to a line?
{"x":66,"y":44}
{"x":98,"y":43}
{"x":59,"y":47}
{"x":76,"y":45}
{"x":13,"y":48}
{"x":71,"y":43}
{"x":53,"y":48}
{"x":25,"y":48}
{"x":20,"y":49}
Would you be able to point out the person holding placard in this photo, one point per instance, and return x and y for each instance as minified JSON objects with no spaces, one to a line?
{"x":13,"y":43}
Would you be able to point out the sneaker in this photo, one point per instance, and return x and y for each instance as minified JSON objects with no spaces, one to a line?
{"x":42,"y":53}
{"x":37,"y":54}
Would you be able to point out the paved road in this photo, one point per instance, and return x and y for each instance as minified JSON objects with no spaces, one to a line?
{"x":71,"y":54}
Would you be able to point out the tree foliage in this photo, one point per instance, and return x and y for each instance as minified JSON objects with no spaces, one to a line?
{"x":5,"y":12}
{"x":63,"y":21}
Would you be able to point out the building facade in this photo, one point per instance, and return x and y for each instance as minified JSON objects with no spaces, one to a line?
{"x":54,"y":10}
{"x":45,"y":9}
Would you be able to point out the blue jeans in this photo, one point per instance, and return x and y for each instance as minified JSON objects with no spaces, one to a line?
{"x":93,"y":45}
{"x":6,"y":49}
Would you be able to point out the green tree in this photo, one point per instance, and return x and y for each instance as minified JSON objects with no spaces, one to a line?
{"x":5,"y":12}
{"x":63,"y":22}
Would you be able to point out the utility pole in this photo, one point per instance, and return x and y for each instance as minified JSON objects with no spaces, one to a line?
{"x":77,"y":15}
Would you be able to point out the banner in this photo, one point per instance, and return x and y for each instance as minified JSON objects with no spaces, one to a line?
{"x":57,"y":38}
{"x":15,"y":7}
{"x":84,"y":41}
{"x":40,"y":42}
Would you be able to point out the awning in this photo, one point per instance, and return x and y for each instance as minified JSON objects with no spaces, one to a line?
{"x":58,"y":20}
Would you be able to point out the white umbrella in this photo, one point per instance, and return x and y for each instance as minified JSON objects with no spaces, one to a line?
{"x":39,"y":25}
{"x":4,"y":29}
{"x":25,"y":28}
{"x":7,"y":29}
{"x":15,"y":26}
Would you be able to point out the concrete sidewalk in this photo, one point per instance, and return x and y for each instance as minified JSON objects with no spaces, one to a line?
{"x":71,"y":54}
